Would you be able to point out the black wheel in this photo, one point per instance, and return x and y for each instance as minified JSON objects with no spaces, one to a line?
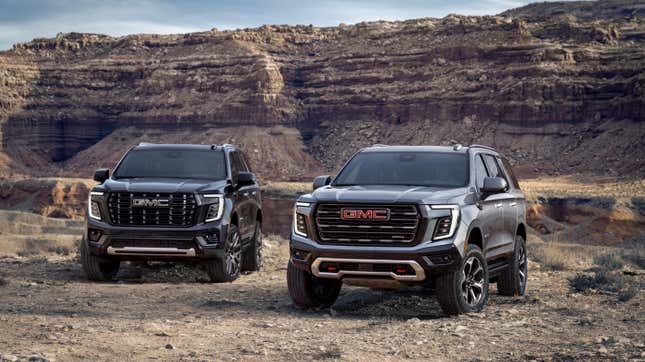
{"x":252,"y":258}
{"x":466,"y":289}
{"x":513,"y":280}
{"x":228,"y":268}
{"x":308,"y":291}
{"x":97,"y":268}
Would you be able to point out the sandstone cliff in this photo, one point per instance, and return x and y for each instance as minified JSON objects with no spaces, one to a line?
{"x":559,"y":88}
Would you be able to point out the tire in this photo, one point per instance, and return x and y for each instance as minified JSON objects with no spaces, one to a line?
{"x":308,"y":291}
{"x":227,"y":269}
{"x":97,"y":268}
{"x":252,"y":256}
{"x":512,"y":281}
{"x":464,"y":290}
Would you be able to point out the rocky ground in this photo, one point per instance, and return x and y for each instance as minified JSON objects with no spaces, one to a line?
{"x":169,"y":312}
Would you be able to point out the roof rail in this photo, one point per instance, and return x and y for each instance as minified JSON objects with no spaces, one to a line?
{"x":228,"y":145}
{"x":482,"y":146}
{"x":379,"y":145}
{"x":145,"y":143}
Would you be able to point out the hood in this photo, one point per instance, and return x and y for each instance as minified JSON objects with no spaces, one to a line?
{"x":386,"y":194}
{"x":162,"y":185}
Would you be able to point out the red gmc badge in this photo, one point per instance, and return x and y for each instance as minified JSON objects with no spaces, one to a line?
{"x":365,"y":214}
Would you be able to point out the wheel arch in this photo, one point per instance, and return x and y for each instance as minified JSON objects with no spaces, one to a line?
{"x":521,"y":230}
{"x":476,"y":237}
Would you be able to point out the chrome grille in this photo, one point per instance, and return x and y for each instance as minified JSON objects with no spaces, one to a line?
{"x":178,"y":211}
{"x":399,"y":229}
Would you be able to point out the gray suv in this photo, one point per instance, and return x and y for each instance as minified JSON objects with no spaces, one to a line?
{"x":452,"y":218}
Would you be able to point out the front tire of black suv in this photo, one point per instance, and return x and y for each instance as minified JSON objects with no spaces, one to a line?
{"x":252,"y":258}
{"x":466,"y":289}
{"x":227,"y":269}
{"x":512,"y":282}
{"x":308,"y":291}
{"x":96,"y":268}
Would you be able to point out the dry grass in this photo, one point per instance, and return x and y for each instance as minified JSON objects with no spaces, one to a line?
{"x":287,"y":188}
{"x":571,"y":186}
{"x":556,"y":256}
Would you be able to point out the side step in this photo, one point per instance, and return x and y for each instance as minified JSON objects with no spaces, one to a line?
{"x":497,"y":267}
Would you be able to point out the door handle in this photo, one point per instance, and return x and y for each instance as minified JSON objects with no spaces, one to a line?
{"x":498,"y":205}
{"x":513,"y":204}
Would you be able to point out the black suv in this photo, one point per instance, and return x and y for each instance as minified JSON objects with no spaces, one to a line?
{"x":175,"y":202}
{"x":451,"y":218}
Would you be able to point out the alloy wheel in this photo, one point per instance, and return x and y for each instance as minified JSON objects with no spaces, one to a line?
{"x":472,"y":284}
{"x":233,"y":255}
{"x":258,"y":247}
{"x":522,"y":266}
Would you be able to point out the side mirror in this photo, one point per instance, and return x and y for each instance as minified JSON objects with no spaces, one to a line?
{"x":321,"y":181}
{"x":245,"y":179}
{"x":101,"y":174}
{"x":494,"y":185}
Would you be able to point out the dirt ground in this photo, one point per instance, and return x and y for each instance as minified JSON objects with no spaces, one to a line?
{"x":169,"y":312}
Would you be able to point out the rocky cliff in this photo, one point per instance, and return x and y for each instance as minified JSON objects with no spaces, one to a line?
{"x":559,"y":88}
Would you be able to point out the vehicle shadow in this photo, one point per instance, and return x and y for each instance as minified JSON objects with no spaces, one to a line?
{"x":177,"y":289}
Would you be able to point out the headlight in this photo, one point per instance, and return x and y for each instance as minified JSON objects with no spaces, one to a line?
{"x":446,"y":225}
{"x":299,"y":220}
{"x":215,"y":204}
{"x":93,"y":208}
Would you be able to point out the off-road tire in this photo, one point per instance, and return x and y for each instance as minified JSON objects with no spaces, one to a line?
{"x":97,"y":268}
{"x":252,"y":256}
{"x":512,"y":281}
{"x":308,"y":291}
{"x":450,"y":285}
{"x":220,"y":270}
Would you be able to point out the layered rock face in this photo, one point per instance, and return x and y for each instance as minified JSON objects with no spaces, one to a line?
{"x":555,"y":93}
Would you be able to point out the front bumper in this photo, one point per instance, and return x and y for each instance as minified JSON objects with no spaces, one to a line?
{"x":201,"y":241}
{"x":420,"y":262}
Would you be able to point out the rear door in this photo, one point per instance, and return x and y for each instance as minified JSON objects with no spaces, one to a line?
{"x":516,"y":203}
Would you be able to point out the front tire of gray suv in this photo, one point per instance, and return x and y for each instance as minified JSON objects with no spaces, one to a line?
{"x":252,"y":258}
{"x":466,"y":289}
{"x":512,"y":282}
{"x":309,"y":291}
{"x":227,"y":269}
{"x":96,"y":268}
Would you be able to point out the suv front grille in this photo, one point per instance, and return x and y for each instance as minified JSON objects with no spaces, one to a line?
{"x":399,"y":229}
{"x":153,"y":209}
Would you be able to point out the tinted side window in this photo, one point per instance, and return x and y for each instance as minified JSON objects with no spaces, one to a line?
{"x":480,"y":171}
{"x":245,"y":165}
{"x":235,"y":164}
{"x":509,"y":172}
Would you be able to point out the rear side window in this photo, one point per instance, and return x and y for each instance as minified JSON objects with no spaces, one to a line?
{"x":509,"y":172}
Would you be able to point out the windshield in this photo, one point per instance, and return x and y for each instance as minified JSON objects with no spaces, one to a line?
{"x":198,"y":164}
{"x":405,"y":168}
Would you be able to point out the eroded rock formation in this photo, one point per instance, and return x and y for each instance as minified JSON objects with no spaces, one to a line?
{"x":555,"y":92}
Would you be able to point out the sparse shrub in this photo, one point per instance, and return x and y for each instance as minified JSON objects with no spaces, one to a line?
{"x":627,"y":294}
{"x":3,"y":282}
{"x":609,"y":261}
{"x":25,"y":253}
{"x":551,"y":256}
{"x":634,"y":256}
{"x":582,"y":282}
{"x":609,"y":281}
{"x":60,"y":250}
